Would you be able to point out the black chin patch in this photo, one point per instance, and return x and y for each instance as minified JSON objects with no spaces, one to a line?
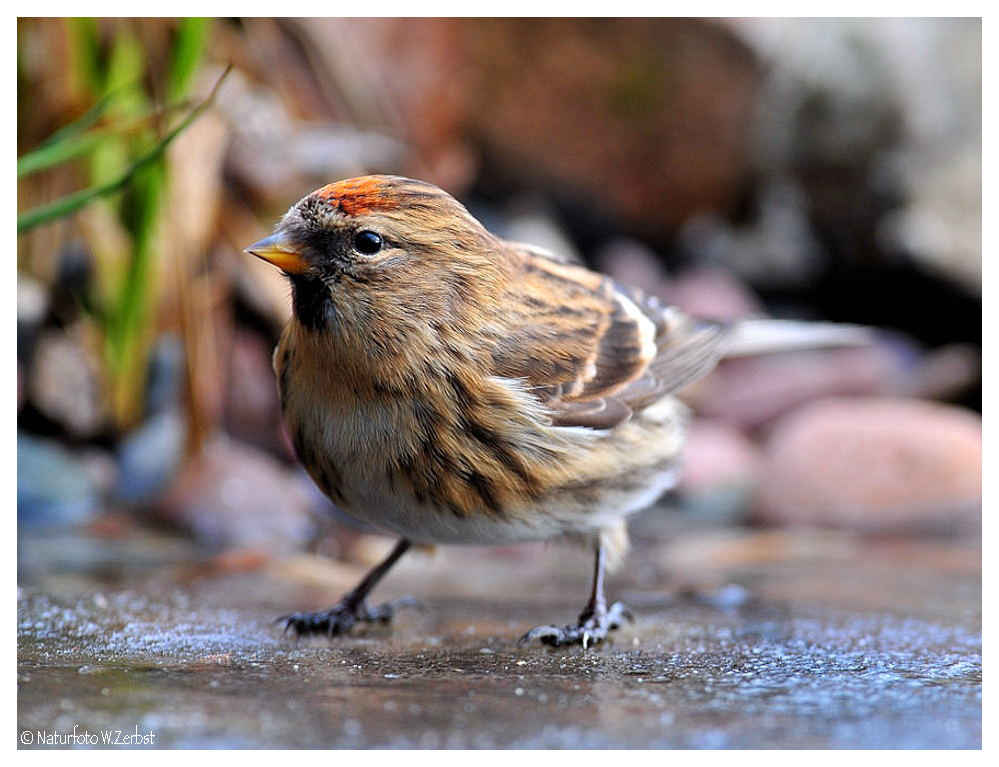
{"x":311,"y":302}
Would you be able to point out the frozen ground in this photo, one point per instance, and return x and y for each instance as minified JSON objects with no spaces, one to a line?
{"x":743,"y":639}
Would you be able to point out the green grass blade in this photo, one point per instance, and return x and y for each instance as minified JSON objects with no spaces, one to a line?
{"x":86,"y":51}
{"x":192,"y":35}
{"x":72,"y":146}
{"x":80,"y":124}
{"x":62,"y":151}
{"x":65,"y":205}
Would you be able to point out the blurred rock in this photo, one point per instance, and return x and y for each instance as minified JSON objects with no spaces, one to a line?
{"x":165,"y":374}
{"x":774,"y":246}
{"x":827,"y":121}
{"x":610,"y":111}
{"x":945,"y":373}
{"x":702,"y":291}
{"x":409,"y":78}
{"x":101,"y":467}
{"x":874,"y":464}
{"x":32,"y":305}
{"x":323,"y":153}
{"x":712,"y":294}
{"x":752,"y":391}
{"x":613,"y":110}
{"x":73,"y":282}
{"x":942,"y":224}
{"x":54,"y":488}
{"x":261,"y":129}
{"x":232,"y":495}
{"x":66,"y":382}
{"x":529,"y":220}
{"x":281,"y":158}
{"x":20,"y":386}
{"x":148,"y":457}
{"x":251,"y":406}
{"x":716,"y":454}
{"x":75,"y":271}
{"x":940,"y":164}
{"x":843,"y":115}
{"x":633,"y":263}
{"x":720,"y":470}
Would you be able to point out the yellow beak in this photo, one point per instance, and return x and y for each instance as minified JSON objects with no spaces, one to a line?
{"x":278,"y":250}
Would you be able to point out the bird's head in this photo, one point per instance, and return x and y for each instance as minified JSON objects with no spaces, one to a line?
{"x":370,"y":243}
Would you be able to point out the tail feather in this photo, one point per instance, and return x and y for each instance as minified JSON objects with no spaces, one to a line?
{"x":768,"y":336}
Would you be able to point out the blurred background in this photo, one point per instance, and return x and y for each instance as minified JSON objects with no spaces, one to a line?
{"x":816,"y":169}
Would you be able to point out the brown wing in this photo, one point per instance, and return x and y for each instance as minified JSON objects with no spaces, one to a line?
{"x":593,"y":351}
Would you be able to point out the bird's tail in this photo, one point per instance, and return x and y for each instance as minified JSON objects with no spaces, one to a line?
{"x":768,"y":336}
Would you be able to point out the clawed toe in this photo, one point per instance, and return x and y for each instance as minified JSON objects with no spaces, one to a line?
{"x":590,"y":630}
{"x":544,"y":633}
{"x":341,"y":619}
{"x":332,"y":622}
{"x":618,"y":615}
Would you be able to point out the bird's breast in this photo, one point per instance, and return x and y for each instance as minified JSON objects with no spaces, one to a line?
{"x":435,"y":444}
{"x":449,"y":463}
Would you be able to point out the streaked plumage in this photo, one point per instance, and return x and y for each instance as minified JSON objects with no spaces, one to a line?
{"x":451,"y":387}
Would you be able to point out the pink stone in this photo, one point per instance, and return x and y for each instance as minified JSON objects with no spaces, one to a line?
{"x":717,"y":454}
{"x":873,"y":463}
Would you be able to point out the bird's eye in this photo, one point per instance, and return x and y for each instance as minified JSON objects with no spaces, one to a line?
{"x":367,"y":243}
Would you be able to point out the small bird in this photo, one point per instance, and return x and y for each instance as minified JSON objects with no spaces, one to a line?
{"x":450,"y":387}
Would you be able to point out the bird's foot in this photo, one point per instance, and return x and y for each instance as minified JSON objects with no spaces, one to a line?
{"x":342,"y":617}
{"x":592,"y":628}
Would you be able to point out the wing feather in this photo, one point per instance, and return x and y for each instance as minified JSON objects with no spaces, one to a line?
{"x":593,"y":351}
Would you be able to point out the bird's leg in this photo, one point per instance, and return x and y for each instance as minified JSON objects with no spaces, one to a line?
{"x":353,"y":608}
{"x":596,"y":620}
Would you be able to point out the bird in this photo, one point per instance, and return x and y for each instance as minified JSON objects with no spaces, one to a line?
{"x":447,"y":386}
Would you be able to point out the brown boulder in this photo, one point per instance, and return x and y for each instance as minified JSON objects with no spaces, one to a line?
{"x":716,"y":455}
{"x":234,"y":496}
{"x":873,"y":463}
{"x":646,"y":119}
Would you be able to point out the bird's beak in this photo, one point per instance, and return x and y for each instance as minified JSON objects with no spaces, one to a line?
{"x":280,"y":251}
